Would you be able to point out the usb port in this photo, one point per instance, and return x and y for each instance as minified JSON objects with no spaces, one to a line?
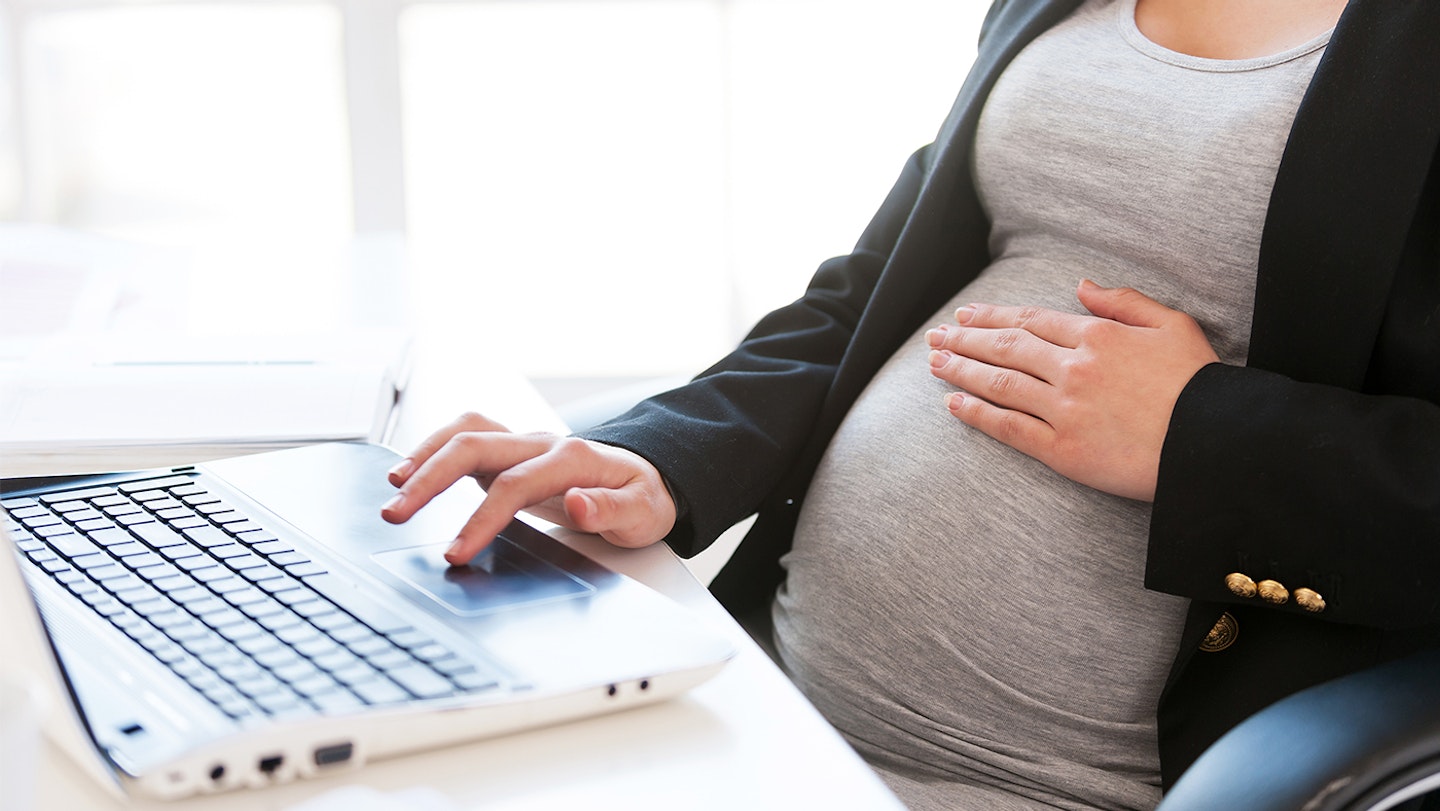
{"x":335,"y":753}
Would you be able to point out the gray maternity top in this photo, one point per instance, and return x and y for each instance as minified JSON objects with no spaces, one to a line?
{"x":973,"y":622}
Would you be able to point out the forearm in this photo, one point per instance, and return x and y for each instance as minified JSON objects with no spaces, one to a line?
{"x":1311,"y":486}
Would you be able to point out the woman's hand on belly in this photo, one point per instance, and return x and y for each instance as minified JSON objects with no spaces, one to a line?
{"x":1089,"y":396}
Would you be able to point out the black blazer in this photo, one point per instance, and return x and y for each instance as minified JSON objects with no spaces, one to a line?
{"x":1317,"y":465}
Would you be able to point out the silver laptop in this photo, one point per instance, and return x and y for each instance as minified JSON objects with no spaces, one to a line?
{"x":252,"y":621}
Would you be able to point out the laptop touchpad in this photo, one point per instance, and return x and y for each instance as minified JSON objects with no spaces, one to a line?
{"x":501,"y":577}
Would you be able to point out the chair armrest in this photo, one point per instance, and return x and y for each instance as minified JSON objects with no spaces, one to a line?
{"x":1367,"y":740}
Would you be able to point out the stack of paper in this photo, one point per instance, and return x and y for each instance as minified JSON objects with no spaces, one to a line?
{"x":150,"y":402}
{"x":120,"y":355}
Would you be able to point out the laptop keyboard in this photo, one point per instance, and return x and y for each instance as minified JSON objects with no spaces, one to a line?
{"x":255,"y":626}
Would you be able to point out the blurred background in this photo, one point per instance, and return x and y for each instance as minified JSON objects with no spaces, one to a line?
{"x":605,"y":191}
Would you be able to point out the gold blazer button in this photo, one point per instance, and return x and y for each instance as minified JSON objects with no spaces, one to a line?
{"x":1222,"y":636}
{"x":1309,"y":600}
{"x":1272,"y":592}
{"x":1240,"y":585}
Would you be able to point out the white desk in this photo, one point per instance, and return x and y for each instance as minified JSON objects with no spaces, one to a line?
{"x":744,"y":740}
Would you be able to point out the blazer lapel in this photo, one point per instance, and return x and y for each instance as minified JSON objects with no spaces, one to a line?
{"x":1346,"y":193}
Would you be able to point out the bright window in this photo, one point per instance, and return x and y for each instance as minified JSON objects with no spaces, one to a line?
{"x":175,"y":121}
{"x":605,"y":187}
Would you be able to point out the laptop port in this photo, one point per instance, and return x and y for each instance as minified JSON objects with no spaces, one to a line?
{"x":333,"y":754}
{"x":269,"y":765}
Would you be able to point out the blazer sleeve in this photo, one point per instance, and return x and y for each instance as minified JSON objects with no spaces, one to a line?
{"x":1311,"y":486}
{"x":723,"y":441}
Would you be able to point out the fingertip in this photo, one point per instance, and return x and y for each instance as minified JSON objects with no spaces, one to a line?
{"x":459,"y":553}
{"x":401,"y":471}
{"x":582,"y":508}
{"x":391,"y":512}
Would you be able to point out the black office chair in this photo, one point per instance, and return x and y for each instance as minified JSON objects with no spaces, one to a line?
{"x":1369,"y":741}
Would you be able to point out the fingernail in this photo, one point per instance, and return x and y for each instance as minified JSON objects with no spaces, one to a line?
{"x":936,"y":337}
{"x":453,"y":553}
{"x":964,"y":314}
{"x":954,"y":401}
{"x":402,"y":469}
{"x":587,"y":506}
{"x":939,"y":358}
{"x":393,"y":504}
